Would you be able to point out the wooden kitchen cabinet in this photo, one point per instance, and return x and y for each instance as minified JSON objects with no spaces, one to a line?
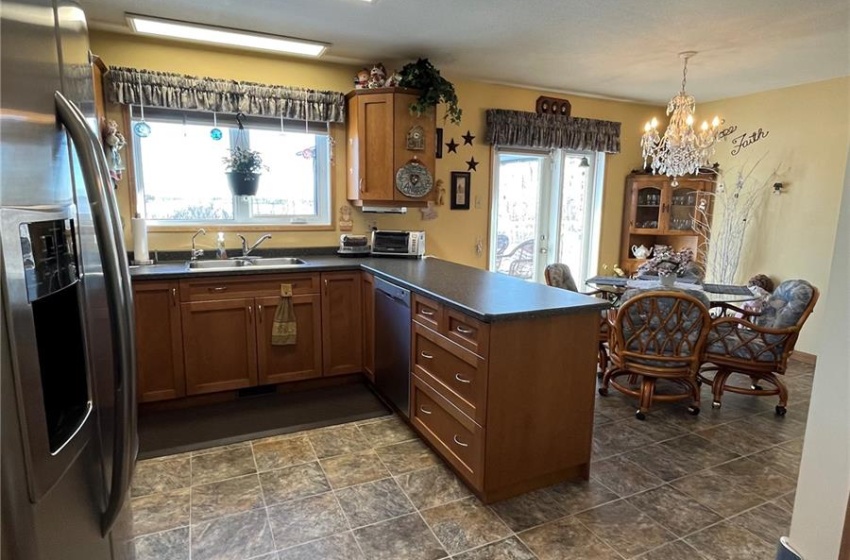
{"x":159,"y":341}
{"x":302,"y":360}
{"x":342,"y":323}
{"x":219,"y":342}
{"x":509,"y":404}
{"x":368,"y":294}
{"x":378,"y":125}
{"x":656,"y":213}
{"x":228,"y":325}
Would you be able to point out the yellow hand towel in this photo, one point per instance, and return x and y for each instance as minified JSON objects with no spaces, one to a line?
{"x":284,"y":328}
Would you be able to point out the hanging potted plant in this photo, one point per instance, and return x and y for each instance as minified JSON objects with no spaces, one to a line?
{"x":435,"y":89}
{"x":243,"y":167}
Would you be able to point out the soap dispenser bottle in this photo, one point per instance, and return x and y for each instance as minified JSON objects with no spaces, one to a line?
{"x":220,"y":251}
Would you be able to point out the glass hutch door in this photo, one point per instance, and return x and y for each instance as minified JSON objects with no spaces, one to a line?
{"x":646,"y":204}
{"x":684,"y":202}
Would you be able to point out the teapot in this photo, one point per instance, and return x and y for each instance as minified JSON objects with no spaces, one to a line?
{"x":641,"y":252}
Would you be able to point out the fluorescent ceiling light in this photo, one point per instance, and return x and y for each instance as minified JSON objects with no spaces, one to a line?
{"x":223,"y":36}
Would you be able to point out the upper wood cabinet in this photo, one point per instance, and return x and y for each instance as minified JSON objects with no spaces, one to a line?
{"x":656,"y":213}
{"x":342,"y":327}
{"x":379,"y":122}
{"x":159,"y":341}
{"x":99,"y":68}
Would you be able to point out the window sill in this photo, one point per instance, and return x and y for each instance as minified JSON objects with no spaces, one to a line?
{"x":239,"y":228}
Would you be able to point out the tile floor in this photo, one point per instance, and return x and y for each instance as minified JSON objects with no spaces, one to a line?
{"x":716,"y":486}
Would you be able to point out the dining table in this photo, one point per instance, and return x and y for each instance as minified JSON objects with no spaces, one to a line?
{"x":615,"y":286}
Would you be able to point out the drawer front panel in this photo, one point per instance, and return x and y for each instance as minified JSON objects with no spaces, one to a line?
{"x":228,"y":287}
{"x":459,"y":440}
{"x":468,"y":332}
{"x":428,"y":312}
{"x":457,"y":374}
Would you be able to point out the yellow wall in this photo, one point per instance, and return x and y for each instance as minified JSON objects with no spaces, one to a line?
{"x":453,"y":234}
{"x":807,"y":144}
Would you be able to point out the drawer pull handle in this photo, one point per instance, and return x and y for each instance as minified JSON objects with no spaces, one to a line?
{"x":427,"y":312}
{"x":464,"y":330}
{"x":460,"y":443}
{"x":260,"y":313}
{"x":462,"y":379}
{"x":174,"y":296}
{"x":426,"y":355}
{"x":424,"y":410}
{"x":218,"y":289}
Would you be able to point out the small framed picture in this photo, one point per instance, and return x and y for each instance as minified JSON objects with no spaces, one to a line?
{"x":460,"y":190}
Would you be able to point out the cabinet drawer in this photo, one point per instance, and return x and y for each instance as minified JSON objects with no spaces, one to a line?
{"x":458,"y":439}
{"x":428,"y":312}
{"x":470,"y":333}
{"x":229,"y":287}
{"x":457,"y":374}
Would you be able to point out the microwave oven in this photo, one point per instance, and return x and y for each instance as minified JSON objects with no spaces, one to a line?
{"x":398,"y":243}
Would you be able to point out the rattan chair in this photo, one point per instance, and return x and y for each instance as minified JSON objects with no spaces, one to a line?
{"x":558,"y":275}
{"x":758,"y":344}
{"x":657,"y":334}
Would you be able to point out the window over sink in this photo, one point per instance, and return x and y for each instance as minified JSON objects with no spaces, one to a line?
{"x":180,"y":176}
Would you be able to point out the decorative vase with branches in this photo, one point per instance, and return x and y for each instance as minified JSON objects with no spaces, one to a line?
{"x":736,"y":208}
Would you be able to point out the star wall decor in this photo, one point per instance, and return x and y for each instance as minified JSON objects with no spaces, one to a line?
{"x":472,"y":165}
{"x":452,"y":146}
{"x":467,"y":138}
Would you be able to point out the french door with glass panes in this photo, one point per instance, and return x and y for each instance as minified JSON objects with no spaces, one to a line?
{"x":546,"y":208}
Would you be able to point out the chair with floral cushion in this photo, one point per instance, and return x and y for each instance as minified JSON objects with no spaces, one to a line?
{"x":758,"y":344}
{"x":558,"y":275}
{"x":658,"y":334}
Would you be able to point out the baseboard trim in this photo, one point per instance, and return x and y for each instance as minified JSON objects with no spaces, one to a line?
{"x":804,"y":357}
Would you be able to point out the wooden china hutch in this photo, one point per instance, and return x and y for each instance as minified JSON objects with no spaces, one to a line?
{"x":656,"y":213}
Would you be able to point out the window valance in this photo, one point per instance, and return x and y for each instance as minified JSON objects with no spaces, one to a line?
{"x":178,"y":91}
{"x":530,"y":130}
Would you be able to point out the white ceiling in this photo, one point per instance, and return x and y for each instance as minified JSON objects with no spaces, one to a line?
{"x":622,"y":49}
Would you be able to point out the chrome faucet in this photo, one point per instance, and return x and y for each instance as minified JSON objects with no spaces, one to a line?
{"x":197,"y":252}
{"x":247,"y":250}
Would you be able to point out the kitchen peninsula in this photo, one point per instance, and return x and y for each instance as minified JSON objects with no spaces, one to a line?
{"x":502,"y":370}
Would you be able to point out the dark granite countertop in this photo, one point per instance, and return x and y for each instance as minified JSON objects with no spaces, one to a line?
{"x":487,"y":296}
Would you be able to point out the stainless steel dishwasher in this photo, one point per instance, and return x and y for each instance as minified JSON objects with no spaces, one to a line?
{"x":392,"y":344}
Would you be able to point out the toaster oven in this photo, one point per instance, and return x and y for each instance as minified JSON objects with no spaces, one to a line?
{"x":398,"y":243}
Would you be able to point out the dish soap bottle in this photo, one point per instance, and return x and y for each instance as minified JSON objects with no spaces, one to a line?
{"x":220,"y":251}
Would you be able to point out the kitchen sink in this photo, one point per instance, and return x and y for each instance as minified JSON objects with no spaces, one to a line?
{"x":252,"y":262}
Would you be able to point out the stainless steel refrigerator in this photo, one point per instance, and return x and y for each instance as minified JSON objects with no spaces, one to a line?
{"x":67,"y":373}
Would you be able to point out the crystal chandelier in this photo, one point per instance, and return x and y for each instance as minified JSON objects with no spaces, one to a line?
{"x":681,"y":150}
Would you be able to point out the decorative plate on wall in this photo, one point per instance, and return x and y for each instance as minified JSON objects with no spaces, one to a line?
{"x":413,"y":180}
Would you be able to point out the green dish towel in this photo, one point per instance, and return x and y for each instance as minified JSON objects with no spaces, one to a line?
{"x":284,"y":327}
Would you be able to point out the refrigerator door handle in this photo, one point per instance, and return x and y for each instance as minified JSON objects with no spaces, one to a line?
{"x":119,"y":294}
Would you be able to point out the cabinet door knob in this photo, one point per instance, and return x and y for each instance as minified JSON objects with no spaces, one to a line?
{"x":462,"y":379}
{"x":174,"y":296}
{"x":426,"y":355}
{"x":260,"y":313}
{"x":250,"y":312}
{"x":460,"y":443}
